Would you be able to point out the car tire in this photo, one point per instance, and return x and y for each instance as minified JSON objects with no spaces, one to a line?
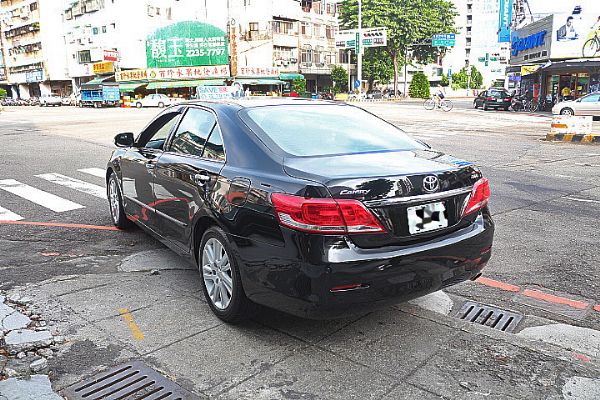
{"x":161,"y":105}
{"x":505,"y":108}
{"x":115,"y":202}
{"x":475,"y":106}
{"x":485,"y":107}
{"x":216,"y":278}
{"x":138,"y":105}
{"x":567,"y":111}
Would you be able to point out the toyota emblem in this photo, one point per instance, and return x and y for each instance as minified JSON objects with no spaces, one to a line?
{"x":431,"y":184}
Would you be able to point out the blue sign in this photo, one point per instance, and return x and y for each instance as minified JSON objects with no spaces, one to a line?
{"x":449,"y":73}
{"x":505,"y":20}
{"x":357,"y":83}
{"x":34,"y":76}
{"x":530,"y":42}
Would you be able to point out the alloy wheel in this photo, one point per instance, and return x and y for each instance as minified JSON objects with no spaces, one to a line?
{"x":113,"y":198}
{"x":216,"y":273}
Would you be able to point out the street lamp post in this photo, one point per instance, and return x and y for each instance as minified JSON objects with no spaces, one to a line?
{"x":349,"y":70}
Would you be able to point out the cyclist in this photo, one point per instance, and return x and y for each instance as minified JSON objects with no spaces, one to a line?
{"x":440,"y":94}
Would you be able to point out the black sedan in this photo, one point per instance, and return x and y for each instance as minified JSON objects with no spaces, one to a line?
{"x":311,"y":207}
{"x":493,"y":98}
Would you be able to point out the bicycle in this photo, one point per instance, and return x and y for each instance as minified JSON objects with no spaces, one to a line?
{"x":591,"y":46}
{"x":445,"y":104}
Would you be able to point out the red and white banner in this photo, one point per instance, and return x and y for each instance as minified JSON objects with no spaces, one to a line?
{"x":111,"y":55}
{"x":258,"y":72}
{"x":177,"y":73}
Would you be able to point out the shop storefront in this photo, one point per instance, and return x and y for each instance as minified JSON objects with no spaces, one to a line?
{"x":179,"y":58}
{"x":551,"y":58}
{"x":260,"y":81}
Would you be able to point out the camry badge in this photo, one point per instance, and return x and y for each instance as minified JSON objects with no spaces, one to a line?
{"x":431,"y":184}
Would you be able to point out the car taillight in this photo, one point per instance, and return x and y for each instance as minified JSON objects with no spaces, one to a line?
{"x":507,"y":99}
{"x":479,"y":196}
{"x":491,"y":99}
{"x":324,"y":215}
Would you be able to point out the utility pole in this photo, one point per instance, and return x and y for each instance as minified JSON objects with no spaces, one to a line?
{"x":349,"y":70}
{"x":360,"y":50}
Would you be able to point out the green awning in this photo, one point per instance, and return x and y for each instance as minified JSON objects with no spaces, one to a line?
{"x":290,"y":77}
{"x":99,"y":80}
{"x":181,"y":84}
{"x":130,"y":87}
{"x":249,"y":81}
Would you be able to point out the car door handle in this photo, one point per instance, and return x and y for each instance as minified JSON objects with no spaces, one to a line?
{"x":201,"y":178}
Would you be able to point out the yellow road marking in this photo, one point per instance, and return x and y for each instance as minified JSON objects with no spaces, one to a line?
{"x":135,"y":330}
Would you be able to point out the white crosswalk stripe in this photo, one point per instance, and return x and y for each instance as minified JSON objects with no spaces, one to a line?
{"x":99,"y":172}
{"x":75,"y":184}
{"x":37,"y":196}
{"x":7,"y":215}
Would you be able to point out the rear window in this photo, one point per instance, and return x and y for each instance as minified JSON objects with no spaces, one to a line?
{"x":499,"y":93}
{"x":323,"y":129}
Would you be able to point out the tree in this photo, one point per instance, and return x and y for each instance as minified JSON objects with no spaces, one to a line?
{"x":445,"y":80}
{"x":476,"y":78}
{"x":2,"y":93}
{"x":377,"y":66}
{"x":299,"y":86}
{"x":339,"y":76}
{"x":419,"y":86}
{"x":410,"y":25}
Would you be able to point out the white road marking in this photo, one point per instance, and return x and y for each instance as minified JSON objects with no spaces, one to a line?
{"x":44,"y":199}
{"x":75,"y":184}
{"x":99,"y":172}
{"x":583,"y":200}
{"x":7,"y":215}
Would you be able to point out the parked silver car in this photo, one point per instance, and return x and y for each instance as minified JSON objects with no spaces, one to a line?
{"x":586,"y":105}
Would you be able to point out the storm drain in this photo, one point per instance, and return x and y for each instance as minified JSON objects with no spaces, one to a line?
{"x":131,"y":381}
{"x":495,"y":318}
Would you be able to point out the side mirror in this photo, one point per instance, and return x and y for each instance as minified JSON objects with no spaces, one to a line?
{"x":125,"y":139}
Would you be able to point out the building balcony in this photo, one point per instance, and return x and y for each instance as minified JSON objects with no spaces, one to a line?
{"x":315,"y":68}
{"x":22,"y":30}
{"x":285,"y":40}
{"x":256,"y":35}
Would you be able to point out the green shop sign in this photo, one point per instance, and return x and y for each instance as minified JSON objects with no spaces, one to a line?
{"x":187,"y":44}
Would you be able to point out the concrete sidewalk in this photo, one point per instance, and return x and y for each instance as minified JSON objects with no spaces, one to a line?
{"x":406,"y":351}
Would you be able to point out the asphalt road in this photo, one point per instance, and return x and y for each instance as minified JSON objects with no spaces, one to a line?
{"x":546,"y":204}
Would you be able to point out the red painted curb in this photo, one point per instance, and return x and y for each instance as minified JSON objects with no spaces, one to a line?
{"x":580,"y":305}
{"x":597,"y":307}
{"x":60,"y":225}
{"x":497,"y":284}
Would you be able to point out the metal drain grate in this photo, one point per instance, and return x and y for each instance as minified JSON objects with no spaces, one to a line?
{"x":496,"y":318}
{"x":131,"y":381}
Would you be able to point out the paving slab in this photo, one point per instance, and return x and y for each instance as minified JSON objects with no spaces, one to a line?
{"x":579,"y":388}
{"x":157,"y":259}
{"x":37,"y":387}
{"x":224,"y":356}
{"x":390,"y":341}
{"x":483,"y":367}
{"x":11,"y":319}
{"x":162,"y":324}
{"x":26,"y":339}
{"x":313,"y":374}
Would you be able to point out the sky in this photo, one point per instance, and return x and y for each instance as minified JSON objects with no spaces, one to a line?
{"x":564,"y":6}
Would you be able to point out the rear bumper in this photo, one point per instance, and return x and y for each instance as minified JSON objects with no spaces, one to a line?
{"x":499,"y":103}
{"x":299,"y":279}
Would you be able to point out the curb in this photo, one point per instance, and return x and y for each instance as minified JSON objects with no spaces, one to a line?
{"x":574,"y":138}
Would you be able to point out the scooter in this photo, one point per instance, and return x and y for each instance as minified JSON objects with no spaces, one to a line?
{"x":518,"y":103}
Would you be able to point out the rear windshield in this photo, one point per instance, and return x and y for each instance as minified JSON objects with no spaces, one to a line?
{"x":323,"y":129}
{"x":497,"y":93}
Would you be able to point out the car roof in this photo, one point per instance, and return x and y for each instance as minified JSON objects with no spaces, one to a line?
{"x":259,"y":102}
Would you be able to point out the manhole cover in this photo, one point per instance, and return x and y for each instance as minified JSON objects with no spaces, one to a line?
{"x":131,"y":381}
{"x":496,"y":318}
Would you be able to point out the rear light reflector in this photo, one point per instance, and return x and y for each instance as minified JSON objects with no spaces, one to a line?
{"x":344,"y":288}
{"x":324,"y":215}
{"x":491,"y":99}
{"x":478,"y":198}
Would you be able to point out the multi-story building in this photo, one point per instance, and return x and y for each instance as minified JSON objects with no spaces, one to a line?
{"x":33,"y":47}
{"x":477,"y":41}
{"x":112,"y":34}
{"x":294,"y":36}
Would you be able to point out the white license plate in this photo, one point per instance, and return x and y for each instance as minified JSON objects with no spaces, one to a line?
{"x":427,"y":217}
